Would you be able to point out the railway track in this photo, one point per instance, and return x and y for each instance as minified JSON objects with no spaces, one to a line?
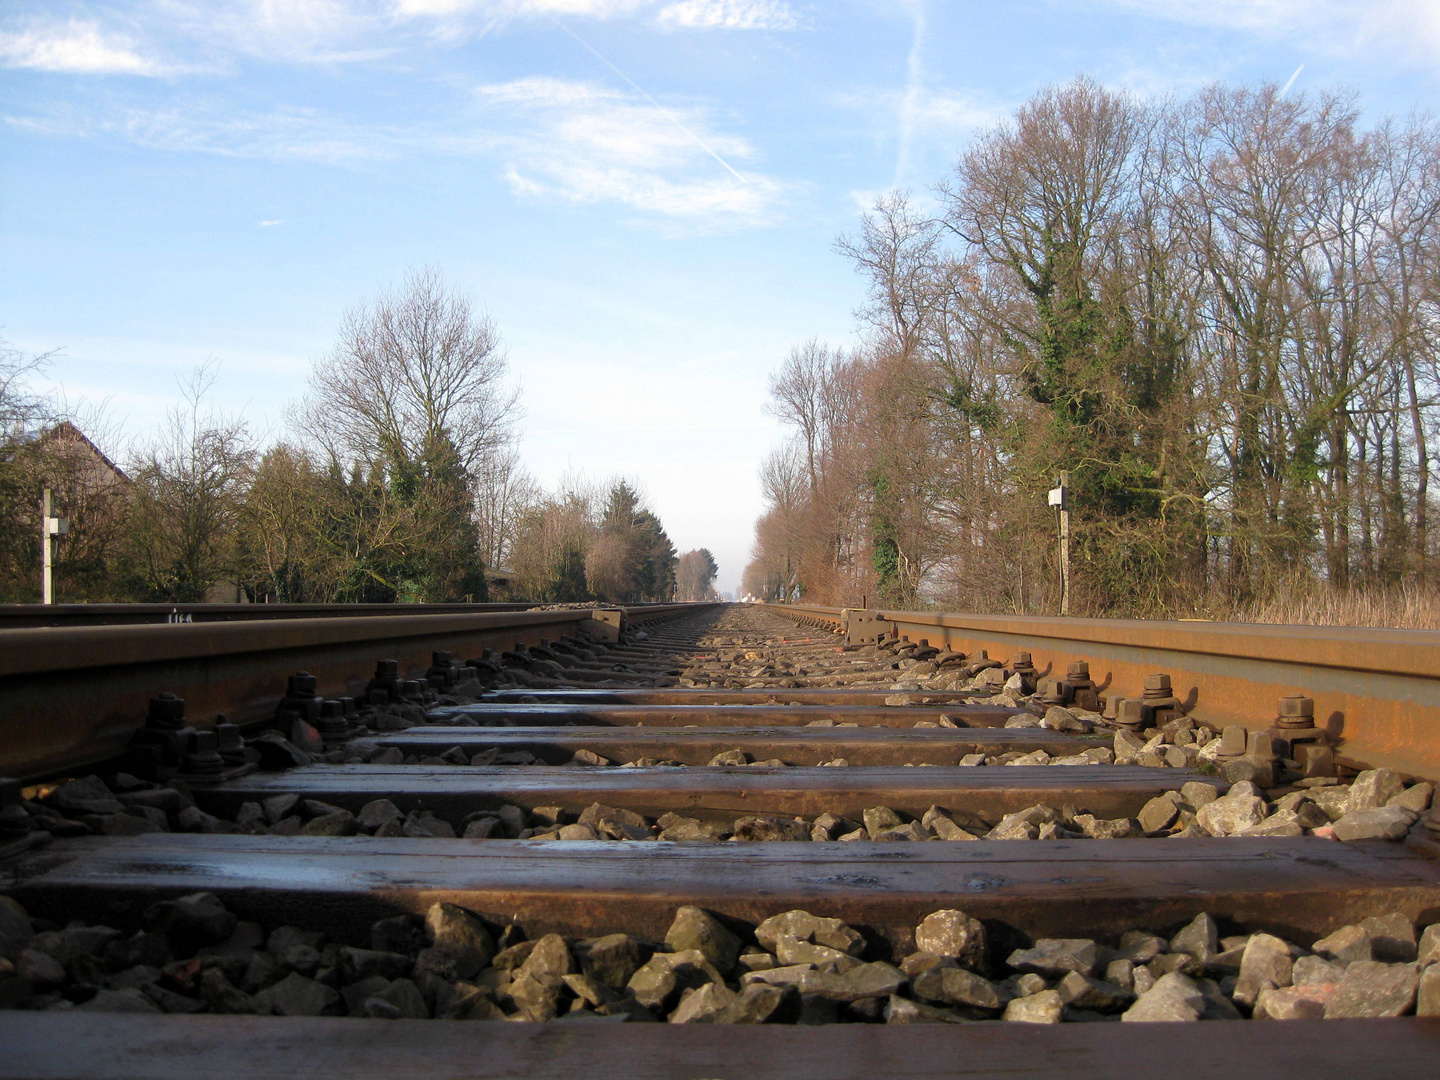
{"x":825,"y":826}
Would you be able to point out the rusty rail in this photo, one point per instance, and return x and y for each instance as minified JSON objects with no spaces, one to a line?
{"x":72,"y":695}
{"x":1376,"y":691}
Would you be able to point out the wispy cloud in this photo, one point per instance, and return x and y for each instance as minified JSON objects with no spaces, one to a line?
{"x":1333,"y":27}
{"x":586,"y":143}
{"x":576,"y":141}
{"x":520,"y":9}
{"x":696,"y":14}
{"x":271,"y":224}
{"x":73,"y":47}
{"x":289,"y":134}
{"x":928,"y":115}
{"x":728,"y":15}
{"x":210,"y":34}
{"x":286,"y":31}
{"x":914,"y":88}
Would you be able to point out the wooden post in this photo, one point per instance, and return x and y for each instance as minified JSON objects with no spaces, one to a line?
{"x":50,"y":526}
{"x":1064,"y":545}
{"x":1060,"y":499}
{"x":47,"y":593}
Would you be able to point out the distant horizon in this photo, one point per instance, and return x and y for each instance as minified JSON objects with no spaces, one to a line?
{"x":642,"y":194}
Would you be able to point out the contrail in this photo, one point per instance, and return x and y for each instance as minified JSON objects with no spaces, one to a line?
{"x":1290,"y":82}
{"x":912,"y":96}
{"x":669,"y":114}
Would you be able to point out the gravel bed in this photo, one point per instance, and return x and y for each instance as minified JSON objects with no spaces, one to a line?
{"x":192,"y":955}
{"x":1377,"y":805}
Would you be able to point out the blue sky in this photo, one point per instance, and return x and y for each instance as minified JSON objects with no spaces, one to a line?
{"x":642,"y":194}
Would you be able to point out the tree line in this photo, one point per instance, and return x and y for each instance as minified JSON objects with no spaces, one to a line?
{"x":398,"y":480}
{"x":1216,"y":315}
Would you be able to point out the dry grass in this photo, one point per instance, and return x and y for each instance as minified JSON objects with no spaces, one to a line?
{"x":1407,"y":607}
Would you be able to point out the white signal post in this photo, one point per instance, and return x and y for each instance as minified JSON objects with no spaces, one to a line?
{"x":50,"y":527}
{"x":1059,"y":498}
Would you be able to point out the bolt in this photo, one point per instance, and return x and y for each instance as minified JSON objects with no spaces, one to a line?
{"x":1315,"y":759}
{"x":331,"y":723}
{"x":228,"y":743}
{"x":1131,"y":713}
{"x":1261,"y":746}
{"x":1079,"y":669}
{"x":167,"y":713}
{"x":301,"y":685}
{"x":1055,"y":691}
{"x":1233,"y":739}
{"x":1157,"y":686}
{"x":204,"y":758}
{"x":387,"y":669}
{"x":1296,"y":711}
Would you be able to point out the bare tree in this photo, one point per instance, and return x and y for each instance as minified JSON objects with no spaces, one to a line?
{"x":899,"y":251}
{"x":417,"y":381}
{"x":695,"y":576}
{"x":797,"y":396}
{"x":552,"y":539}
{"x":21,"y":406}
{"x":189,"y":486}
{"x":504,"y":492}
{"x":415,"y":398}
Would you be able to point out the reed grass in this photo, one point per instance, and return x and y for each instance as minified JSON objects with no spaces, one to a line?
{"x":1407,"y":607}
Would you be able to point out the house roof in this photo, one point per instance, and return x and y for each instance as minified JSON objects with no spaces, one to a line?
{"x":64,"y":431}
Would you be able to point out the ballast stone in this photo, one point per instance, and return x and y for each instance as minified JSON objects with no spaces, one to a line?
{"x":1055,"y":957}
{"x":1345,"y":946}
{"x":1305,"y":1002}
{"x":956,"y":986}
{"x":1370,"y":988}
{"x":1231,"y":813}
{"x":1377,"y":823}
{"x":119,"y":1001}
{"x":1373,"y":788}
{"x":954,"y":934}
{"x":806,"y":927}
{"x":693,"y":928}
{"x":1046,"y":1007}
{"x":295,"y":995}
{"x":1174,"y":997}
{"x":1392,"y":937}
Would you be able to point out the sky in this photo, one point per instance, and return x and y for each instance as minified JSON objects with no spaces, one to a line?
{"x":643,"y":195}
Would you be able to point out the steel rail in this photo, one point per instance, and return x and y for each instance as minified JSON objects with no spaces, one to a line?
{"x":71,"y":696}
{"x":1376,"y":691}
{"x":19,"y":616}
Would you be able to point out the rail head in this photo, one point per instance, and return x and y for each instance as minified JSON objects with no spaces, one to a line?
{"x":1376,"y":691}
{"x":32,"y":650}
{"x":1347,"y":648}
{"x":70,"y":695}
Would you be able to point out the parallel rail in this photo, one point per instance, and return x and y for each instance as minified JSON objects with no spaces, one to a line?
{"x":22,"y":616}
{"x":1376,"y":691}
{"x":71,"y":696}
